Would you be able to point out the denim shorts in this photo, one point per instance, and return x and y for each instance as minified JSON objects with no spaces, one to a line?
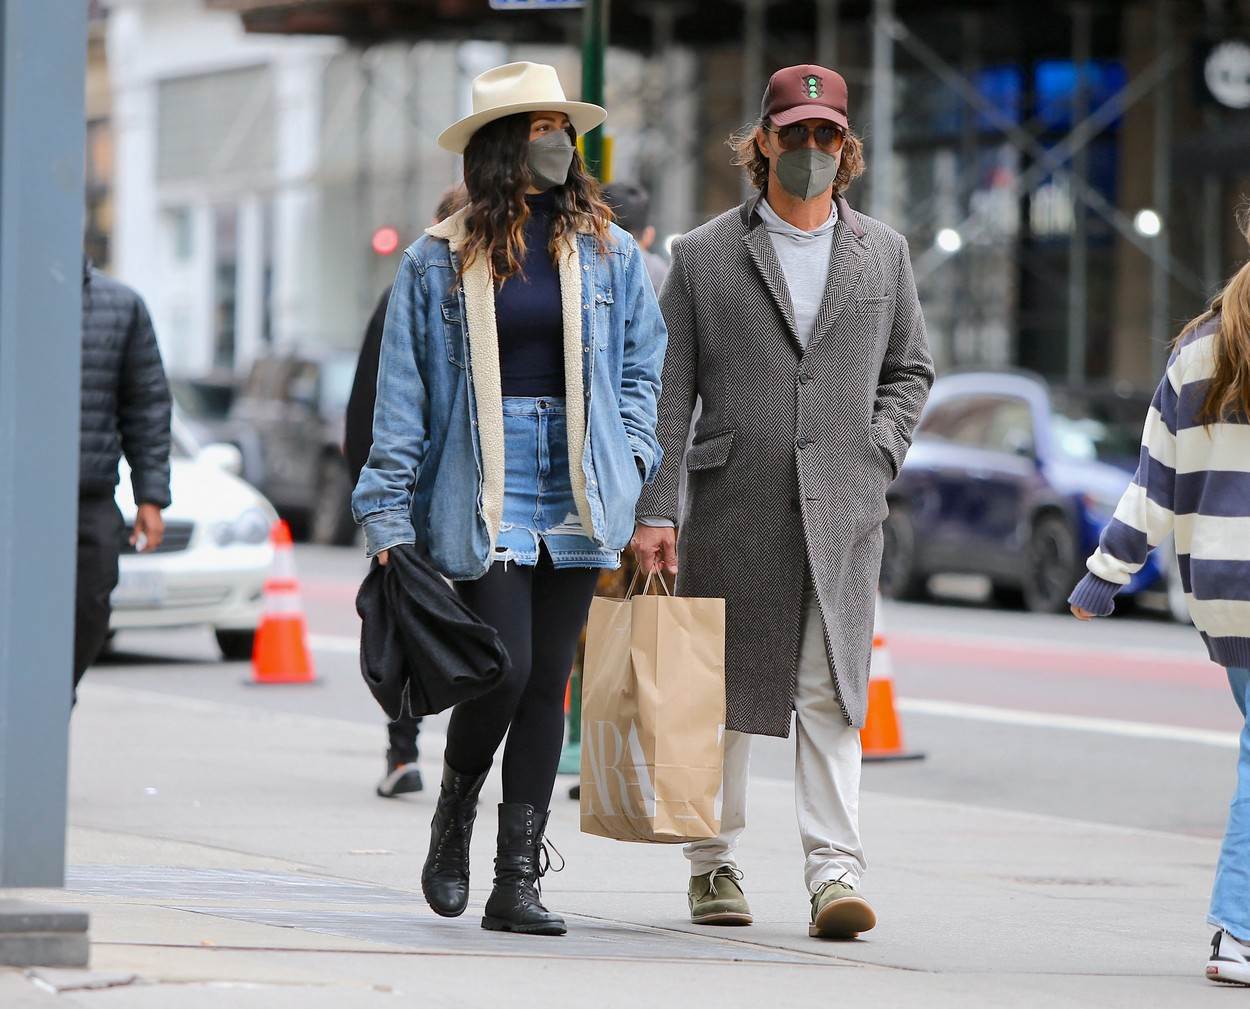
{"x":538,"y":505}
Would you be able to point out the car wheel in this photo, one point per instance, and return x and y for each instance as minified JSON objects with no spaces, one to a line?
{"x":236,"y":646}
{"x":900,"y":577}
{"x":332,"y":522}
{"x":1007,"y":597}
{"x":109,"y":647}
{"x":1050,"y":565}
{"x":299,"y":522}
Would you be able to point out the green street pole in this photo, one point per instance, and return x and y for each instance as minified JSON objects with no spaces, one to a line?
{"x":594,"y":46}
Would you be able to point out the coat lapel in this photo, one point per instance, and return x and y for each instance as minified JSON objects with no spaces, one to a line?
{"x":760,"y":248}
{"x":846,"y":268}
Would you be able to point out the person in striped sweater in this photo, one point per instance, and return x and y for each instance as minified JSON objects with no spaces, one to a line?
{"x":1193,"y":481}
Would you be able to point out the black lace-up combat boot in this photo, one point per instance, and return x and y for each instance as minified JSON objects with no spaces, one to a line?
{"x":514,"y":904}
{"x":445,"y":877}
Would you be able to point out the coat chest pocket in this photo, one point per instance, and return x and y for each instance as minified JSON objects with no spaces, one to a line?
{"x":453,"y":332}
{"x":872,"y":304}
{"x":603,"y":318}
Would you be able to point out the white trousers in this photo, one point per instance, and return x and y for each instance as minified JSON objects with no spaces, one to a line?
{"x":827,"y":763}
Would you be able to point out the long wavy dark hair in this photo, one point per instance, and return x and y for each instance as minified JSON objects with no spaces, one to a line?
{"x":497,"y":177}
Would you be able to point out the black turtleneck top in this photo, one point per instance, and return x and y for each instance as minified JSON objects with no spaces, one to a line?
{"x":528,"y":314}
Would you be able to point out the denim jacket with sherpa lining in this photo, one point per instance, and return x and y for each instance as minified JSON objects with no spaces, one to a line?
{"x":435,"y":475}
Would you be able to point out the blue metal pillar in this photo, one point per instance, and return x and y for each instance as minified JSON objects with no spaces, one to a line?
{"x":43,"y":53}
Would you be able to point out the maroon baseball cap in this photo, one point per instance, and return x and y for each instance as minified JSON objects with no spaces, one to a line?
{"x":805,"y":92}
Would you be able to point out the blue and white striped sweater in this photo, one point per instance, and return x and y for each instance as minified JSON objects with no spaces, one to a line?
{"x":1192,"y":481}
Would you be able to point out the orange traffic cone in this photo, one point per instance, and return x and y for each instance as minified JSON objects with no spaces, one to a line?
{"x":881,"y":735}
{"x":280,"y":654}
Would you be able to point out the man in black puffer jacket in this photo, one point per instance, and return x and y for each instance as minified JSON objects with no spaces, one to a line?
{"x":125,"y":409}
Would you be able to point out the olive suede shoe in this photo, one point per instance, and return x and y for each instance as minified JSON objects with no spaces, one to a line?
{"x":838,"y":912}
{"x":717,"y":899}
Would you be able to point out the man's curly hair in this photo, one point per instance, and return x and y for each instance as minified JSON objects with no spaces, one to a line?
{"x":752,"y":161}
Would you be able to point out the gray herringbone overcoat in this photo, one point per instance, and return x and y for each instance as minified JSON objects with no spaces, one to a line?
{"x":794,"y":449}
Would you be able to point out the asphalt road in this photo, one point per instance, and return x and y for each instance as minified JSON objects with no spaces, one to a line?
{"x":1124,"y":721}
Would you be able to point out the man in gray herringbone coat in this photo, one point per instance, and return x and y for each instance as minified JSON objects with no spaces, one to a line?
{"x":796,"y":322}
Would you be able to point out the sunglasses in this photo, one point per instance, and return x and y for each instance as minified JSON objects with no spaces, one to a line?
{"x":828,"y":138}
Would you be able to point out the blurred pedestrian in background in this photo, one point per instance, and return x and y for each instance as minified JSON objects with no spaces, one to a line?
{"x":797,"y":322}
{"x":631,"y":204}
{"x":402,"y":776}
{"x":125,"y":410}
{"x":514,"y":428}
{"x":1193,"y":482}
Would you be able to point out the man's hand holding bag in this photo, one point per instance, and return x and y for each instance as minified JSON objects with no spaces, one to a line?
{"x":653,"y":717}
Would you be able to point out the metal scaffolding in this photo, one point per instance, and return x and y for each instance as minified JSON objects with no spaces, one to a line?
{"x":1065,"y":161}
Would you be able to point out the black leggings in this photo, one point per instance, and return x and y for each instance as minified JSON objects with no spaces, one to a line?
{"x":539,"y":613}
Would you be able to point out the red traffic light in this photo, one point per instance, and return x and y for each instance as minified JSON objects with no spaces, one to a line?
{"x":385,"y":240}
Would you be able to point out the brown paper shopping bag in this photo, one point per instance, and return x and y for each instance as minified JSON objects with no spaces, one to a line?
{"x":653,"y":717}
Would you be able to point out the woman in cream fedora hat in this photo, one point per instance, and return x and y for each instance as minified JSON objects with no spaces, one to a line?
{"x":513,"y":432}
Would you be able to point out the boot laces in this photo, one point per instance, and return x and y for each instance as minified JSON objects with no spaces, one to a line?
{"x":544,"y":858}
{"x":840,"y":881}
{"x":729,"y":871}
{"x":543,"y":863}
{"x":458,"y":824}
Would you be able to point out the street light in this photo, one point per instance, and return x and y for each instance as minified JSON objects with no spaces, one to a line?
{"x":949,"y":240}
{"x":1147,"y":222}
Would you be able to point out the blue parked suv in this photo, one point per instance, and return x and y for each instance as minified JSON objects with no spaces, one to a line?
{"x":1011,"y":479}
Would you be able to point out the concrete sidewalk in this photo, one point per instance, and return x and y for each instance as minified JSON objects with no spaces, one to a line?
{"x":234,"y":857}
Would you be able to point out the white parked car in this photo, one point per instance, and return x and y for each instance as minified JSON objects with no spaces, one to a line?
{"x":211,"y":566}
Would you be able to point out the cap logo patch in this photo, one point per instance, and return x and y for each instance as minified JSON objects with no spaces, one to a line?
{"x":815,"y":86}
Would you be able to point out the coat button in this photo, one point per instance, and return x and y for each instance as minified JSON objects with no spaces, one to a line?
{"x":804,"y":378}
{"x":804,"y":442}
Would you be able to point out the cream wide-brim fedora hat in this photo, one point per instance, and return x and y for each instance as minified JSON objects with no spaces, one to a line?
{"x":518,"y":87}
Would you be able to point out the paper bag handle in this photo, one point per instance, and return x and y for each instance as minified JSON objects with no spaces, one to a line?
{"x":646,"y":588}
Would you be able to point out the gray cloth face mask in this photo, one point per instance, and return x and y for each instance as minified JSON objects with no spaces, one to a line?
{"x":806,"y":172}
{"x":550,"y":157}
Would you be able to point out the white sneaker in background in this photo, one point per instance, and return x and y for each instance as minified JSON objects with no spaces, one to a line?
{"x":1230,"y":960}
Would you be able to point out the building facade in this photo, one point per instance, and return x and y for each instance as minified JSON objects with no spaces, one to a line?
{"x":1067,"y":174}
{"x":252,"y":171}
